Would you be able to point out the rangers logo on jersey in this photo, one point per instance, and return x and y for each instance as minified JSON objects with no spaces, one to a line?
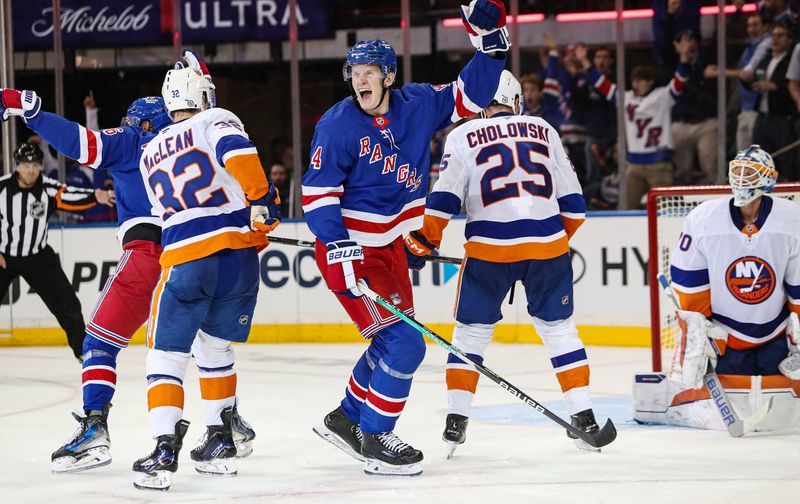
{"x":750,"y":279}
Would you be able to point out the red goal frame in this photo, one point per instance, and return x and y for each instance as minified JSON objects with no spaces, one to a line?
{"x":652,"y":242}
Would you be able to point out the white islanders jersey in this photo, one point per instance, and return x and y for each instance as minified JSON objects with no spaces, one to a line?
{"x":522,"y":195}
{"x":746,"y":277}
{"x":199,"y":174}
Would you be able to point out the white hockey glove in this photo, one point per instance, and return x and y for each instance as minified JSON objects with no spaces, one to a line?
{"x":701,"y":343}
{"x":24,"y":104}
{"x":790,"y":366}
{"x":485,"y":21}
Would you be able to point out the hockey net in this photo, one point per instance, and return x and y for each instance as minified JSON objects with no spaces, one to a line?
{"x":667,"y":208}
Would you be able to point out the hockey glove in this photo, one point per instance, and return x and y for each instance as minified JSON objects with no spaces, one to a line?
{"x":417,"y":249}
{"x":190,"y":59}
{"x":790,"y":366}
{"x":265,"y":212}
{"x":701,"y":343}
{"x":345,"y":266}
{"x":24,"y":104}
{"x":485,"y":21}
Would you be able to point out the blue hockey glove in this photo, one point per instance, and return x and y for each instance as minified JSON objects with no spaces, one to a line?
{"x":265,"y":212}
{"x":485,"y":21}
{"x":24,"y":104}
{"x":417,"y":249}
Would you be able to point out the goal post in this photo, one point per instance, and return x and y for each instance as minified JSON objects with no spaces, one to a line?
{"x":667,"y":208}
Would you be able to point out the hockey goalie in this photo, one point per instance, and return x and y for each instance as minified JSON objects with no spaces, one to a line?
{"x":736,"y":275}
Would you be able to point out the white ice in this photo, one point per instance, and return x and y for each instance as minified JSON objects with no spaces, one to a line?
{"x":512,"y":453}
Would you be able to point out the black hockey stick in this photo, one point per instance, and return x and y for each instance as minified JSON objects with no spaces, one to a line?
{"x":600,"y":438}
{"x":735,"y":425}
{"x":310,"y":244}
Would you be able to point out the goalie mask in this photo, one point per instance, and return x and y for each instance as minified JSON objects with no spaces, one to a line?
{"x":186,"y":89}
{"x":751,"y":174}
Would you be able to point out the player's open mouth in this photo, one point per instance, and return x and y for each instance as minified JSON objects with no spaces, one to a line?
{"x":364,"y":95}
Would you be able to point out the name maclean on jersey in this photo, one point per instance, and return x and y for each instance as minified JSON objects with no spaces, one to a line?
{"x":495,"y":132}
{"x":170,"y":146}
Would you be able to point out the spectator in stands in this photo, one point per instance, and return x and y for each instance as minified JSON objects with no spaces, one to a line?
{"x":599,"y":115}
{"x":279,"y":176}
{"x":694,"y":118}
{"x":647,"y":123}
{"x":757,"y":33}
{"x":671,"y":17}
{"x":777,"y":110}
{"x":542,"y":99}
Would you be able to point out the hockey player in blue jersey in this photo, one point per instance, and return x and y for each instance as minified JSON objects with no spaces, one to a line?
{"x":125,"y":300}
{"x":365,"y":188}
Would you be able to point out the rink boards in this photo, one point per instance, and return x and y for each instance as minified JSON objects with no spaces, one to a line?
{"x":294,"y":306}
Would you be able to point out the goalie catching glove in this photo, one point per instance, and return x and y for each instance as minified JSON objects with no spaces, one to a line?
{"x":485,"y":21}
{"x":24,"y":104}
{"x":345,"y":267}
{"x":701,"y":343}
{"x":265,"y":212}
{"x":790,"y":366}
{"x":417,"y":249}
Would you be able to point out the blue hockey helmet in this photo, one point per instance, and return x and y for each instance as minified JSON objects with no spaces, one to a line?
{"x":149,"y":108}
{"x":370,"y":52}
{"x":751,"y":174}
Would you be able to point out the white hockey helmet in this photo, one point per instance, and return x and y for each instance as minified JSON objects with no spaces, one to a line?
{"x":509,"y":92}
{"x":751,"y":173}
{"x":186,"y":89}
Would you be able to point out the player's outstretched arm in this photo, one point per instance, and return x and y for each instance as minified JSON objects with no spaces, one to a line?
{"x":443,"y":203}
{"x":107,"y":149}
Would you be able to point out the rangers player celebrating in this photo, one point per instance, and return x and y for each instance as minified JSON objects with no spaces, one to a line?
{"x":523,"y":204}
{"x":736,"y":273}
{"x":365,"y":188}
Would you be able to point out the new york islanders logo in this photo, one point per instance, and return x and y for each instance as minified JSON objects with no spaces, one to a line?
{"x":750,"y":279}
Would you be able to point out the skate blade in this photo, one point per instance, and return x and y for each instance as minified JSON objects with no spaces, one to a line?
{"x":217,"y":467}
{"x":243,"y":448}
{"x":376,"y":467}
{"x":583,"y":445}
{"x":158,"y":480}
{"x":329,"y":436}
{"x":451,"y":448}
{"x":95,"y":457}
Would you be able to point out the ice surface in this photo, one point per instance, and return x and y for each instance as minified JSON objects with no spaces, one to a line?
{"x":512,"y":453}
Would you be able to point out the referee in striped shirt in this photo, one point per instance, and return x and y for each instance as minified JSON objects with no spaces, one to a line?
{"x":27,"y":201}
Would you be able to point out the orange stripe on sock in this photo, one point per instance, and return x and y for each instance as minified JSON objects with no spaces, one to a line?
{"x":165,"y":394}
{"x":573,"y":378}
{"x":461,"y":379}
{"x":213,"y":389}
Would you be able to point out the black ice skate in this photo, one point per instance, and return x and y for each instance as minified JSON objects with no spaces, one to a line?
{"x":584,"y":420}
{"x":215,"y":453}
{"x":339,"y":431}
{"x":243,"y":435}
{"x":455,"y":432}
{"x":387,"y":455}
{"x":156,"y":469}
{"x":89,"y":446}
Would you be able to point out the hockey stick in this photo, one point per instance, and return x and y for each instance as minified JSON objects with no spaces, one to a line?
{"x":600,"y":438}
{"x":785,"y":148}
{"x":310,"y":244}
{"x":736,"y":426}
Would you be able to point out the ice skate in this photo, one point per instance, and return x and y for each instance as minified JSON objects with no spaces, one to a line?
{"x":89,"y":446}
{"x":157,"y":468}
{"x":243,"y":435}
{"x":584,"y":420}
{"x":339,"y":431}
{"x":215,"y":453}
{"x":388,"y":455}
{"x":455,"y":432}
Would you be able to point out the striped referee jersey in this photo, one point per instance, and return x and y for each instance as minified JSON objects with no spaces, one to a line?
{"x":24,"y":212}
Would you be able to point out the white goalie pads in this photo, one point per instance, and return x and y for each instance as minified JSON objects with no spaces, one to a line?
{"x":699,"y":346}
